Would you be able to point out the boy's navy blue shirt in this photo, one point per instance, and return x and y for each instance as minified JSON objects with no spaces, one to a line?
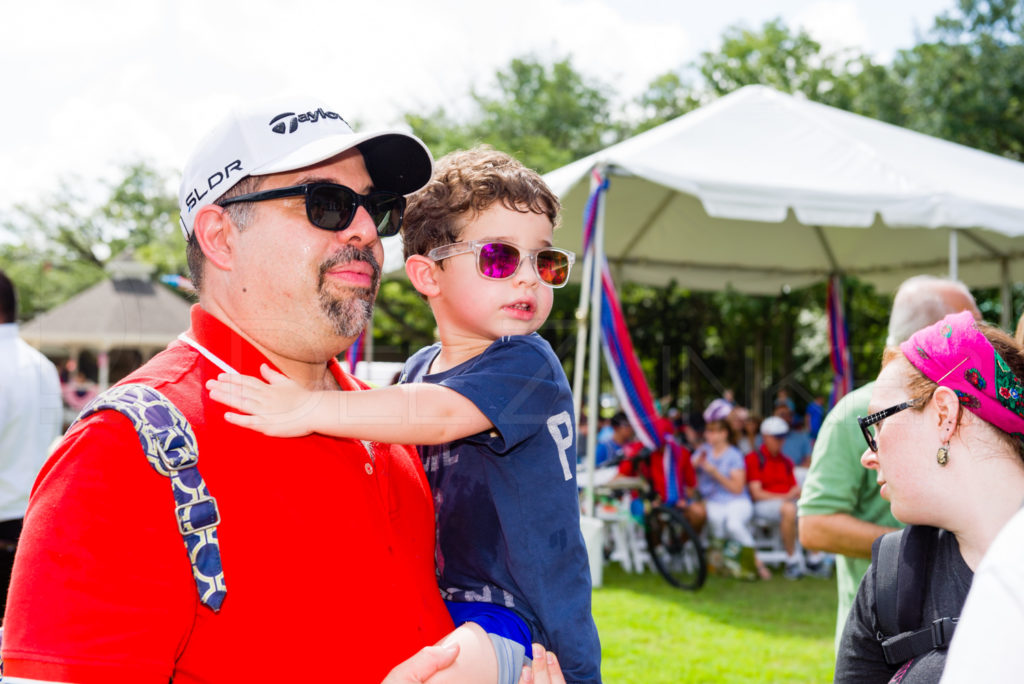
{"x":506,"y":500}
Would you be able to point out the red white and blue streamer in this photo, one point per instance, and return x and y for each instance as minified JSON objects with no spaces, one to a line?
{"x":623,"y":365}
{"x":839,"y":342}
{"x":355,"y":353}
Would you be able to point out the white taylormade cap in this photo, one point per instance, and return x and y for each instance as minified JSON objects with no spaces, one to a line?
{"x":285,"y":134}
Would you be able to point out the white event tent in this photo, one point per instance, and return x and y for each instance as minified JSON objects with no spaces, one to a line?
{"x":759,"y":190}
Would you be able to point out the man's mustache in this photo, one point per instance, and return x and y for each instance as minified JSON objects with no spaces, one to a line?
{"x":347,"y":255}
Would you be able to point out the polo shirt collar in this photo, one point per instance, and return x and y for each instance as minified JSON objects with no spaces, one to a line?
{"x":234,"y":350}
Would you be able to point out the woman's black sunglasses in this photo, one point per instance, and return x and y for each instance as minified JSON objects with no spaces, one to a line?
{"x":332,"y":207}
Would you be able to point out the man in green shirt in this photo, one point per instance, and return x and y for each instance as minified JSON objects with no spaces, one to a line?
{"x":840,"y":508}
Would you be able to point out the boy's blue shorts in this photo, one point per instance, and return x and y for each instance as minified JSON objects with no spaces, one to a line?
{"x":493,"y":619}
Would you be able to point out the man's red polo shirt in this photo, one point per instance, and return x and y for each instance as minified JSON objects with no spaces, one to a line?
{"x":328,"y":552}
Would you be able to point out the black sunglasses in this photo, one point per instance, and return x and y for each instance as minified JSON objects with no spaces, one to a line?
{"x":867,"y":423}
{"x":332,"y":207}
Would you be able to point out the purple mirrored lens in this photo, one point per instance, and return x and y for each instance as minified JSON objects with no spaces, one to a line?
{"x":498,"y":260}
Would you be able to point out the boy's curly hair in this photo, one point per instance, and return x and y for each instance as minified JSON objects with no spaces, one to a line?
{"x":467,"y":182}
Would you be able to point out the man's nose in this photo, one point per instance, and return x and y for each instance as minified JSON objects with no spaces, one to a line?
{"x":361,"y":231}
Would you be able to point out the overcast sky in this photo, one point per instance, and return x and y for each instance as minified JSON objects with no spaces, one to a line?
{"x":93,"y":84}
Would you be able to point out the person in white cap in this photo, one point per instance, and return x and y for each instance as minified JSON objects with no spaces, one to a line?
{"x":314,"y":561}
{"x":774,"y":489}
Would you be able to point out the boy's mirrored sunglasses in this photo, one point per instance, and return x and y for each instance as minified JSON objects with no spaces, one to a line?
{"x":332,"y":207}
{"x":500,"y":260}
{"x":867,"y":423}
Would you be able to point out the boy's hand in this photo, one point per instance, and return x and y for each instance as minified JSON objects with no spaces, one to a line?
{"x":278,"y":407}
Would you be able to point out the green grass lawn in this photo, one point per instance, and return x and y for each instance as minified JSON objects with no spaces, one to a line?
{"x":729,"y":631}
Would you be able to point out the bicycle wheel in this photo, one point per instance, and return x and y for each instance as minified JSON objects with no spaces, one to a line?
{"x":675,"y":548}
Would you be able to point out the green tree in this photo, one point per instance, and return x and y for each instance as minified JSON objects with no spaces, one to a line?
{"x":776,"y":56}
{"x":967,"y":83}
{"x":773,"y":56}
{"x":63,"y":242}
{"x":546,"y":116}
{"x":667,"y":96}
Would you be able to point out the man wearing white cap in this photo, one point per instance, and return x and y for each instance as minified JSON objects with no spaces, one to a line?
{"x":309,"y":558}
{"x":774,"y":489}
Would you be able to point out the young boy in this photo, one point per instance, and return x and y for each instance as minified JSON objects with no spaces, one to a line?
{"x":491,"y":406}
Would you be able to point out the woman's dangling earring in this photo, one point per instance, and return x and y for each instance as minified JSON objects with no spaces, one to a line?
{"x":942,"y":456}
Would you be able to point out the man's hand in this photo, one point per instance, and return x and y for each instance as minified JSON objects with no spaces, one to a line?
{"x":422,"y":666}
{"x":279,"y":407}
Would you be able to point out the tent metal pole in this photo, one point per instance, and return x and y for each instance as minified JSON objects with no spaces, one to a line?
{"x":953,"y":257}
{"x":1006,"y":317}
{"x":833,"y":264}
{"x":594,"y":390}
{"x":582,"y":322}
{"x":1006,"y":293}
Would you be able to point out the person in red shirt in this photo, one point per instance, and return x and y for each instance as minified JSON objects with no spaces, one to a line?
{"x":670,"y":472}
{"x":774,"y":489}
{"x":326,"y":545}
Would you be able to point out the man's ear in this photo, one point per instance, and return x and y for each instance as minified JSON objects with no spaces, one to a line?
{"x":216,"y":232}
{"x":422,"y":274}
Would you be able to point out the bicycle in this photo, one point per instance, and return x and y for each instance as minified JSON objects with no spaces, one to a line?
{"x":673,"y":546}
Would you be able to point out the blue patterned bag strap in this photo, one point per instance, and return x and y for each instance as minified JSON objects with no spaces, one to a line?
{"x":170,"y":447}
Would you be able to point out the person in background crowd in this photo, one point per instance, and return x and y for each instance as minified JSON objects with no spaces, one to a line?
{"x":815,"y":414}
{"x":78,"y":391}
{"x":737,"y":420}
{"x":722,"y":485}
{"x":797,"y":444}
{"x":774,"y":489}
{"x":612,"y":449}
{"x":782,"y":398}
{"x":30,"y":420}
{"x":752,"y":432}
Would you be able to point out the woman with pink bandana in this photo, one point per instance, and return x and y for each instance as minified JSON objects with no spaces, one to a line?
{"x":945,"y":434}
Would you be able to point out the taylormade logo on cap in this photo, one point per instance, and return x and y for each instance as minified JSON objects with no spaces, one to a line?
{"x":284,"y":135}
{"x":290,"y":125}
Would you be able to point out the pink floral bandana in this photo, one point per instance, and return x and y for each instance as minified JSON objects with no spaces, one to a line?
{"x":955,"y":354}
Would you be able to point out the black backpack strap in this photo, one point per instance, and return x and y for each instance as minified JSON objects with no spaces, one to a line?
{"x":885,"y":559}
{"x":901,"y":565}
{"x":170,"y":447}
{"x":903,"y":647}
